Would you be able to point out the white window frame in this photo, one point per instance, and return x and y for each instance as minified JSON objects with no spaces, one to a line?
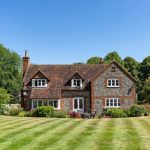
{"x":73,"y":85}
{"x":78,"y":109}
{"x":47,"y":101}
{"x":39,"y":82}
{"x":111,"y":81}
{"x":118,"y":100}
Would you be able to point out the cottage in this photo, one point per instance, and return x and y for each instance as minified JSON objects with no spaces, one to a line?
{"x":77,"y":87}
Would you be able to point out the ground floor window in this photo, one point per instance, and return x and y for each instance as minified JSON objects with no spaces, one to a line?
{"x":39,"y":102}
{"x":113,"y":102}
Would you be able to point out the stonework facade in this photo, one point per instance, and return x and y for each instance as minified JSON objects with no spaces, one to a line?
{"x":126,"y":92}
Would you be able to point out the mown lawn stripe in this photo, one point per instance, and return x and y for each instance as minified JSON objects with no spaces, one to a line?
{"x":14,"y":131}
{"x":25,"y":137}
{"x":58,"y":135}
{"x":39,"y":140}
{"x":104,"y":140}
{"x":8,"y":122}
{"x":143,"y":130}
{"x":120,"y":142}
{"x":133,"y":139}
{"x":81,"y":136}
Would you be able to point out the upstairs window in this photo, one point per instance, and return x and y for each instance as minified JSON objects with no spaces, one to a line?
{"x":39,"y":82}
{"x":76,"y":83}
{"x":112,"y":83}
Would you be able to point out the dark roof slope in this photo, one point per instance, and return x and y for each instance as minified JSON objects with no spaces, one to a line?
{"x":58,"y":75}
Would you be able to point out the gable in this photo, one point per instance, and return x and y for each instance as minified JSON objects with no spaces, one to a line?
{"x":126,"y":82}
{"x":117,"y":66}
{"x":75,"y":76}
{"x":39,"y":75}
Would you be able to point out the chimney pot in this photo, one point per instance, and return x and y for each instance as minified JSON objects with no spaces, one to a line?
{"x":26,"y":53}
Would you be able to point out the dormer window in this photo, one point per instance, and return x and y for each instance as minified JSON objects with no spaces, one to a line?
{"x":39,"y":82}
{"x":112,"y":83}
{"x":76,"y":82}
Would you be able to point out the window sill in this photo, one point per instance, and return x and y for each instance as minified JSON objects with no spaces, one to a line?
{"x":113,"y":86}
{"x":112,"y":106}
{"x":39,"y":86}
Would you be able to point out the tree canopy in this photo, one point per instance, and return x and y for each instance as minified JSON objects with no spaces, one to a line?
{"x":132,"y":66}
{"x":10,"y":72}
{"x":93,"y":60}
{"x":145,"y":68}
{"x":146,"y":91}
{"x":113,"y":56}
{"x":4,"y":97}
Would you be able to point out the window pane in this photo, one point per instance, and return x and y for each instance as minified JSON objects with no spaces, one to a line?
{"x":36,"y":83}
{"x":39,"y":82}
{"x":113,"y":82}
{"x":43,"y":82}
{"x":51,"y":103}
{"x":55,"y":103}
{"x":107,"y":102}
{"x":45,"y":102}
{"x":80,"y":103}
{"x":78,"y":82}
{"x":75,"y":104}
{"x":117,"y":82}
{"x":39,"y":102}
{"x":111,"y":102}
{"x":109,"y":82}
{"x":34,"y":103}
{"x":74,"y":82}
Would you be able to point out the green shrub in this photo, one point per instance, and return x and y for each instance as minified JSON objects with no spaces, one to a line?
{"x":3,"y":110}
{"x":60,"y":114}
{"x":136,"y":111}
{"x":43,"y":111}
{"x":116,"y":113}
{"x":14,"y":111}
{"x":23,"y":114}
{"x":127,"y":112}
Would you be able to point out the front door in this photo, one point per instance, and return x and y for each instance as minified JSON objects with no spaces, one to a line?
{"x":78,"y":105}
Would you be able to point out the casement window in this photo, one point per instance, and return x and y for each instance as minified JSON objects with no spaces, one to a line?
{"x":112,"y":102}
{"x":76,"y":82}
{"x":112,"y":83}
{"x":39,"y":82}
{"x":38,"y":102}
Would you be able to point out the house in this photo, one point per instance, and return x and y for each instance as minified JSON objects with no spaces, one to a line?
{"x":77,"y":87}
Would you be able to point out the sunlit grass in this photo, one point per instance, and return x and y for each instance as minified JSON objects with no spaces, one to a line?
{"x":74,"y":134}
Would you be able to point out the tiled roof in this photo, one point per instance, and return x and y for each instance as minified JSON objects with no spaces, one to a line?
{"x":58,"y":76}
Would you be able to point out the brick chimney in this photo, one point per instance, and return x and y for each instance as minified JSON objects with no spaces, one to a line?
{"x":26,"y":62}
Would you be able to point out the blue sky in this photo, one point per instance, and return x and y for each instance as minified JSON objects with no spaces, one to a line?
{"x":68,"y":31}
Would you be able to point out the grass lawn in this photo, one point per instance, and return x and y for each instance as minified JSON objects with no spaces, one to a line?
{"x":74,"y":134}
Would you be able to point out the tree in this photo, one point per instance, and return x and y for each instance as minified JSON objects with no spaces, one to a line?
{"x":146,"y":91}
{"x":132,"y":66}
{"x":145,"y":68}
{"x":93,"y":60}
{"x":4,"y":97}
{"x":113,"y":56}
{"x":10,"y":73}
